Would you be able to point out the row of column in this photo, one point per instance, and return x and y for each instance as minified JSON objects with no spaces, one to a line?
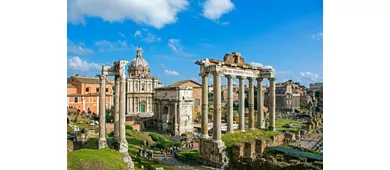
{"x":119,"y":113}
{"x":217,"y":105}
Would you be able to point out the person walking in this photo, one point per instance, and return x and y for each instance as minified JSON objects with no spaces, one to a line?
{"x":165,"y":155}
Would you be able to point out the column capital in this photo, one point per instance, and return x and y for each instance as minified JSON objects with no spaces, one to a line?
{"x":204,"y":74}
{"x":259,"y":79}
{"x":229,"y":76}
{"x":102,"y":78}
{"x":217,"y":73}
{"x":272,"y":79}
{"x":251,"y":78}
{"x":241,"y":77}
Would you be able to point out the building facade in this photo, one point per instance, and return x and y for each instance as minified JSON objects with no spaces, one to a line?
{"x":140,"y":87}
{"x":288,"y":96}
{"x":173,"y":109}
{"x":83,"y":94}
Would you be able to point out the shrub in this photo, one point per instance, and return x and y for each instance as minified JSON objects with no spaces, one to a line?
{"x":161,"y":142}
{"x":129,"y":127}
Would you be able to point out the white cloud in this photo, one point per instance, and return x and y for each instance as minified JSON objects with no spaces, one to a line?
{"x":78,"y":48}
{"x":255,"y":64}
{"x":312,"y":77}
{"x":214,"y":9}
{"x":156,"y":13}
{"x":175,"y":45}
{"x":146,"y":36}
{"x":77,"y":64}
{"x":122,"y":35}
{"x":162,"y":65}
{"x":170,"y":73}
{"x":222,"y":23}
{"x":267,"y":66}
{"x":194,"y":79}
{"x":317,"y":36}
{"x":137,"y":33}
{"x":120,"y":45}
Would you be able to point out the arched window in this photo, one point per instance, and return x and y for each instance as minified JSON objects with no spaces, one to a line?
{"x":76,"y":99}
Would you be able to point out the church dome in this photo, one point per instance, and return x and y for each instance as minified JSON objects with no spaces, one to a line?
{"x":139,"y":61}
{"x":138,"y":66}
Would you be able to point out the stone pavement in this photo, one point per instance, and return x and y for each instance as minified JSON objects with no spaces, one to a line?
{"x":310,"y":141}
{"x":177,"y":165}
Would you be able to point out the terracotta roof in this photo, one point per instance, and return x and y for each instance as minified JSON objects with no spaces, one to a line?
{"x":87,"y":95}
{"x":179,"y":83}
{"x":89,"y":80}
{"x":71,"y":86}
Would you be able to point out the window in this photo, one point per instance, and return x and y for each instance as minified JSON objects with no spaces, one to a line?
{"x":76,"y":100}
{"x":87,"y":89}
{"x":97,"y":89}
{"x":197,"y":102}
{"x":106,"y":89}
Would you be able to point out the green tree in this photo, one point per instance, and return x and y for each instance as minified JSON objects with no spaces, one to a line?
{"x":110,"y":115}
{"x":317,"y":94}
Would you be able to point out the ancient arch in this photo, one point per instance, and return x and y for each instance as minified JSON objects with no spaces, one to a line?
{"x":165,"y":114}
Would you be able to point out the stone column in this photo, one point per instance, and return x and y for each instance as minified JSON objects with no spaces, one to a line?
{"x":241,"y":109}
{"x":260,"y":104}
{"x":122,"y":117}
{"x":272,"y":104}
{"x":102,"y":113}
{"x":176,"y":124}
{"x":251,"y":103}
{"x":205,"y":106}
{"x":230,"y":104}
{"x":116,"y":109}
{"x":217,"y":107}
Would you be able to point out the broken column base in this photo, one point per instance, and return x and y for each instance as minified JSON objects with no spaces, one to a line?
{"x":102,"y":143}
{"x":127,"y":159}
{"x":213,"y":153}
{"x":123,"y":146}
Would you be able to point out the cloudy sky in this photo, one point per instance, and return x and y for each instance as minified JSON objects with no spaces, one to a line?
{"x":284,"y":34}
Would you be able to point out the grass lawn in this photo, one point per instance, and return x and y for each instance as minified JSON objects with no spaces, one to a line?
{"x":250,"y":135}
{"x":296,"y":124}
{"x":91,"y":159}
{"x":190,"y":157}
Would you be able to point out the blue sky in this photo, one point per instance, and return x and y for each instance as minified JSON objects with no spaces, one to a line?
{"x":174,"y":33}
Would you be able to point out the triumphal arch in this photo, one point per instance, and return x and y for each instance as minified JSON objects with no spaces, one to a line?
{"x":212,"y":150}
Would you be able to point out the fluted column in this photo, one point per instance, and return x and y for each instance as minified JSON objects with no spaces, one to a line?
{"x":272,"y":102}
{"x":122,"y":116}
{"x":205,"y":106}
{"x":102,"y":113}
{"x":230,"y":104}
{"x":251,"y":103}
{"x":241,"y":109}
{"x":260,"y":104}
{"x":116,"y":109}
{"x":217,"y":107}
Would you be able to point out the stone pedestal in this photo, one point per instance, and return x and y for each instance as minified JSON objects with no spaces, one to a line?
{"x":237,"y":151}
{"x":212,"y":153}
{"x":249,"y":150}
{"x":260,"y":147}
